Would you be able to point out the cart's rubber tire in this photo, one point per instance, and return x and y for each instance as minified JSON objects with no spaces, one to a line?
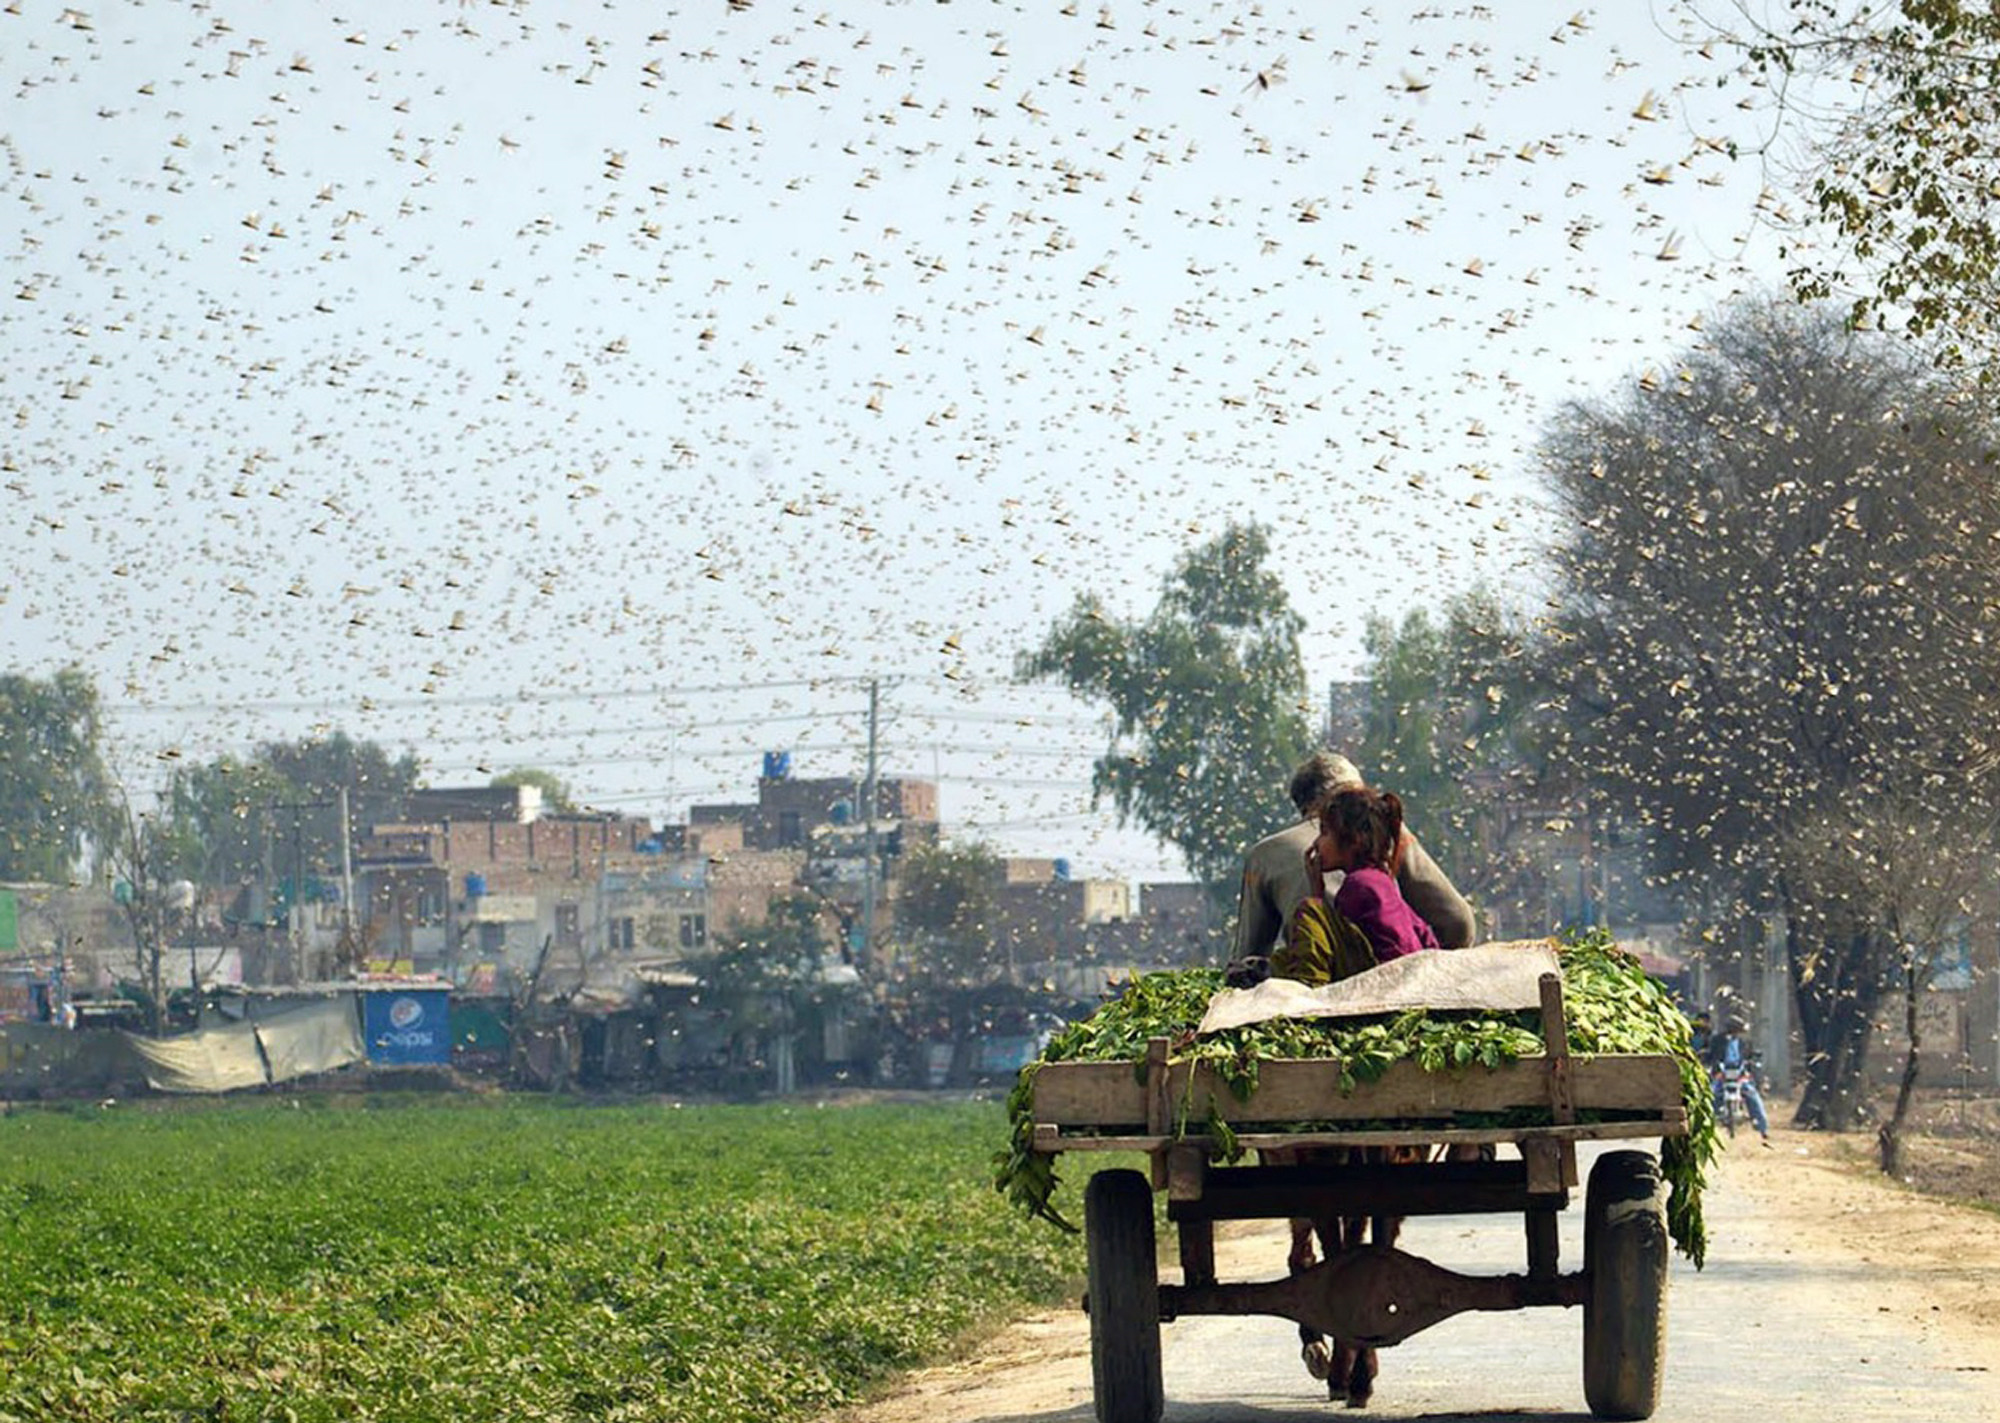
{"x":1124,"y":1298}
{"x":1625,"y":1311}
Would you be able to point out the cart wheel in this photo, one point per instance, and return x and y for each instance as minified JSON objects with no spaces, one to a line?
{"x":1124,"y":1298}
{"x":1625,"y":1258}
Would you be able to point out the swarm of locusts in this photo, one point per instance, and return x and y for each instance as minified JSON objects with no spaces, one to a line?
{"x":1611,"y":1005}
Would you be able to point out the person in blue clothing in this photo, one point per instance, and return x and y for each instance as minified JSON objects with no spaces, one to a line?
{"x":1729,"y":1054}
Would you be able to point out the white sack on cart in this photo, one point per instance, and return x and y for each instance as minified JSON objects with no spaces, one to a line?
{"x":1493,"y":977}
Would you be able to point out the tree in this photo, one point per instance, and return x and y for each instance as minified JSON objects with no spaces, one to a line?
{"x":319,"y":768}
{"x":1448,"y":724}
{"x":769,"y":978}
{"x":1208,"y":700}
{"x":1901,"y":171}
{"x":231,"y":821}
{"x":1774,"y":605}
{"x":947,"y":909}
{"x":1916,"y":869}
{"x":1929,"y":882}
{"x":556,"y":797}
{"x":1407,"y":692}
{"x":216,"y":827}
{"x":947,"y":903}
{"x":138,"y":860}
{"x":55,"y":793}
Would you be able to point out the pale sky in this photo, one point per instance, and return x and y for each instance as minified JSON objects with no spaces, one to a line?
{"x":614,"y":388}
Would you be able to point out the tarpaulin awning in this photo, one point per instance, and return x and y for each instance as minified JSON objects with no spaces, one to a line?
{"x":282,"y":1040}
{"x":317,"y":1036}
{"x":1495,"y":977}
{"x":219,"y":1059}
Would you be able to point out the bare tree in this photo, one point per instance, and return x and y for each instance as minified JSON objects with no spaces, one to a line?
{"x":1913,"y":870}
{"x":137,"y":859}
{"x":1890,"y":119}
{"x":1774,"y":606}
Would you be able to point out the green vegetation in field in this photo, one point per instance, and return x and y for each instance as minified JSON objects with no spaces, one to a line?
{"x":1611,"y":1006}
{"x":455,"y":1261}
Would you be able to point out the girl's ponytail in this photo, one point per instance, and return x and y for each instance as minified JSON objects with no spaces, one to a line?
{"x":1390,"y":810}
{"x":1392,"y":814}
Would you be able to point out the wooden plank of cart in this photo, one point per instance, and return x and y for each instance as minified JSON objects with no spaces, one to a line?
{"x":1375,"y":1295}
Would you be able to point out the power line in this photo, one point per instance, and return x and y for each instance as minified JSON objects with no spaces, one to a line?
{"x":562,"y":698}
{"x":557,"y":763}
{"x":1012,"y":718}
{"x":489,"y":699}
{"x":1028,"y":822}
{"x":517,"y":736}
{"x":908,"y":748}
{"x":699,"y":724}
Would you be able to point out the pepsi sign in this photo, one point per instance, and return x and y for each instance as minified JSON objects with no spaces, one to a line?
{"x":407,"y":1027}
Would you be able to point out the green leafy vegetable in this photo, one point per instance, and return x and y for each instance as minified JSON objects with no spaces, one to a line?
{"x":1611,"y":1005}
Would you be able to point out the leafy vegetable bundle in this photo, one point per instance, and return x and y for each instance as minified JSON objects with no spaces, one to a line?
{"x":1611,"y":1005}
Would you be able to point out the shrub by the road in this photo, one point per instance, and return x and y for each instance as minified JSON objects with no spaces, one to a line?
{"x":457,"y":1262}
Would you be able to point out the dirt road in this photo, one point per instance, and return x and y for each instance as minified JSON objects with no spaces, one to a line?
{"x":1827,"y":1296}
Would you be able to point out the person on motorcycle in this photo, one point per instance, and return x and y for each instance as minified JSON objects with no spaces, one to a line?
{"x":1730,"y":1058}
{"x":1699,"y":1033}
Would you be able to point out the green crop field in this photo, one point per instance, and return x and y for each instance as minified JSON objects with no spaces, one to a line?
{"x":452,"y":1260}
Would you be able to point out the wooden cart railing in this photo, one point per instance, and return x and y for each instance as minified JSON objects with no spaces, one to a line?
{"x":1378,"y":1295}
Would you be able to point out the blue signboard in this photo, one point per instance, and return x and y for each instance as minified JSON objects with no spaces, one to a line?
{"x":406,"y":1026}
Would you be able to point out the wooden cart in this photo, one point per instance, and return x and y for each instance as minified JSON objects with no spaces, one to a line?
{"x":1375,"y":1295}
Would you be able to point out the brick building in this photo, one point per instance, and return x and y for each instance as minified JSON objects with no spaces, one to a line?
{"x":440,"y":895}
{"x":1040,"y":913}
{"x":788,"y":809}
{"x":483,"y":883}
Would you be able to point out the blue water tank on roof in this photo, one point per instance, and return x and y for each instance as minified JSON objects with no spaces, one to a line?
{"x":777,"y":765}
{"x":1062,"y":869}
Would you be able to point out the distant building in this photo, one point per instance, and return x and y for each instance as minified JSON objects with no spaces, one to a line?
{"x":77,"y":934}
{"x":1181,"y":910}
{"x":1174,"y":926}
{"x":824,"y":821}
{"x":493,"y":887}
{"x":788,"y":809}
{"x":1041,"y":917}
{"x":670,"y":911}
{"x":1073,"y":932}
{"x":519,"y":804}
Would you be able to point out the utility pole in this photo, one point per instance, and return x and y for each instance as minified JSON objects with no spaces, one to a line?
{"x":351,"y":960}
{"x":296,"y":914}
{"x":603,"y":913}
{"x":868,"y":796}
{"x":270,"y":826}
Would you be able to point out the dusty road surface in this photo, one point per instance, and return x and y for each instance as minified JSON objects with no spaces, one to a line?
{"x":1827,"y":1297}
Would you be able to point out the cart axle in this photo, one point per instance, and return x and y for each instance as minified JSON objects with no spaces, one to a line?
{"x":1374,"y":1295}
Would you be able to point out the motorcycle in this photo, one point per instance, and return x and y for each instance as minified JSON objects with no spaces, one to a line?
{"x":1729,"y":1104}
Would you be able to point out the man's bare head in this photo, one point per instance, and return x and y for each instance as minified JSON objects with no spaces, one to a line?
{"x":1318,"y":777}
